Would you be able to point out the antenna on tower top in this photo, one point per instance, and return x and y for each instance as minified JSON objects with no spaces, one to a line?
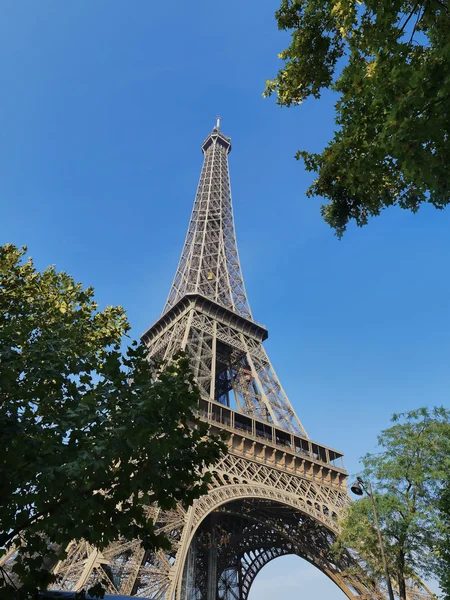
{"x":218,"y":123}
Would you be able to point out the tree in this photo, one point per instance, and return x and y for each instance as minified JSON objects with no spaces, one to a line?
{"x":389,"y":63}
{"x":444,"y":546}
{"x":90,"y":437}
{"x":407,"y":475}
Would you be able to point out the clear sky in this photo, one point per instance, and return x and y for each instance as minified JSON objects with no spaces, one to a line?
{"x":103,"y":109}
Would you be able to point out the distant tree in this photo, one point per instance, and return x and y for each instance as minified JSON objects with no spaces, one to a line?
{"x":89,"y":437}
{"x":389,"y":62}
{"x":444,"y":546}
{"x":407,"y":474}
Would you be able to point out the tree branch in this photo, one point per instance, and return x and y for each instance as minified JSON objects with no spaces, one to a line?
{"x":419,"y":18}
{"x":409,"y":17}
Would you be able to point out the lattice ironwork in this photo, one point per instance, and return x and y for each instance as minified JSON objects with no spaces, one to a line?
{"x":209,"y":263}
{"x":276,"y":491}
{"x":229,"y":362}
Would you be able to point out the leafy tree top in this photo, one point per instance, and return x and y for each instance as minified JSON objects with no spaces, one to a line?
{"x":408,"y":474}
{"x":389,"y":63}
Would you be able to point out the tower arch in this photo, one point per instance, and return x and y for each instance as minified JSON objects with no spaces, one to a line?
{"x":248,"y":526}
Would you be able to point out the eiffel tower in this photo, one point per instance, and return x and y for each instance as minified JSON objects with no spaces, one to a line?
{"x":275,"y":492}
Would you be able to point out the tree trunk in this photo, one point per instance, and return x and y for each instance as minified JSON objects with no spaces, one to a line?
{"x":402,"y":587}
{"x":401,"y":577}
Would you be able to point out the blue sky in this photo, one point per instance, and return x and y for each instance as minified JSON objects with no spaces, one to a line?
{"x":102,"y":114}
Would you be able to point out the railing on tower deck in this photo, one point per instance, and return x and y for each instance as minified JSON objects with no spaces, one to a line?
{"x":216,"y":413}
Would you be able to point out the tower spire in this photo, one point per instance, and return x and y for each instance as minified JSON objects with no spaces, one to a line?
{"x":209,"y":263}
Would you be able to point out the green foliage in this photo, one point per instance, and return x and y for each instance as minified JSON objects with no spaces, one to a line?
{"x":389,"y":62}
{"x":89,"y":437}
{"x":444,"y":546}
{"x":408,"y":475}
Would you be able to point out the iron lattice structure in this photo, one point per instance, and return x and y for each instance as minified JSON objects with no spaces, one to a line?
{"x":276,"y":492}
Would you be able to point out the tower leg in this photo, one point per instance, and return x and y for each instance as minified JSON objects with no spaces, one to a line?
{"x":212,"y":563}
{"x":188,"y":586}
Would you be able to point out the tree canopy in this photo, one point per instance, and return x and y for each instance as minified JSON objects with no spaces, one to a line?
{"x":389,"y":63}
{"x":408,"y":475}
{"x":90,"y":437}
